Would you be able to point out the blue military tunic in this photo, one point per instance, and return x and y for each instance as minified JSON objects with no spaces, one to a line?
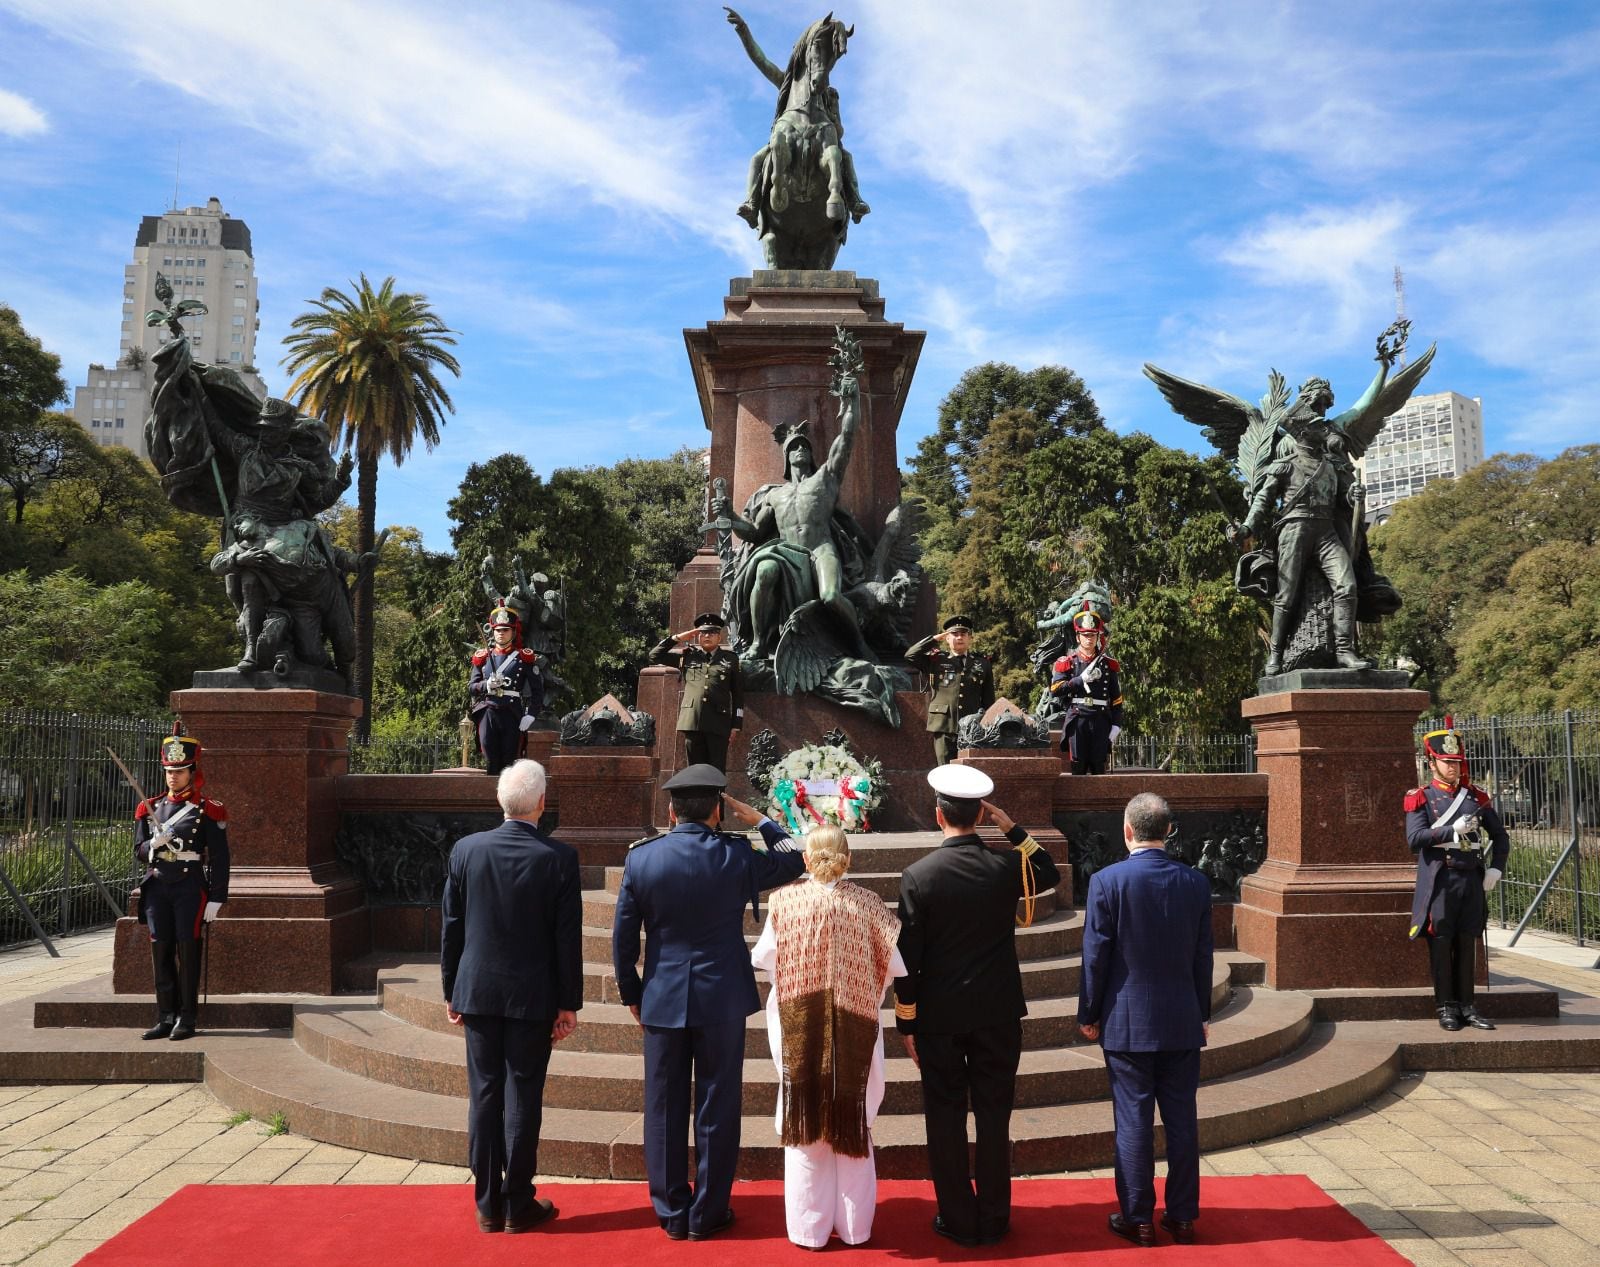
{"x":1439,"y":907}
{"x":183,"y":842}
{"x":1093,"y":707}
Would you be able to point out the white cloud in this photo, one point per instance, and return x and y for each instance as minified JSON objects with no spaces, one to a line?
{"x":519,"y":106}
{"x":20,"y":117}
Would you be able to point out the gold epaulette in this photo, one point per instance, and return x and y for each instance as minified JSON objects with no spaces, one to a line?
{"x":644,"y":840}
{"x":905,"y":1011}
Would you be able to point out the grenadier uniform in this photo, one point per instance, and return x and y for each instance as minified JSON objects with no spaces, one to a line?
{"x":507,"y":692}
{"x":957,"y":685}
{"x":713,"y":696}
{"x":182,"y":839}
{"x":1090,"y":688}
{"x":1461,"y":847}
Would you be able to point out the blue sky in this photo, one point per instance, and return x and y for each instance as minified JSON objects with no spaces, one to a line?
{"x":1218,"y":188}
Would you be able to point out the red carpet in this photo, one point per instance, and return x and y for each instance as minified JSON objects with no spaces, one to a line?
{"x":1262,"y":1219}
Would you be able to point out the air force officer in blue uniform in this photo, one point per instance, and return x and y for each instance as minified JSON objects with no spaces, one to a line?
{"x":689,"y":890}
{"x":512,"y":964}
{"x":1146,"y":995}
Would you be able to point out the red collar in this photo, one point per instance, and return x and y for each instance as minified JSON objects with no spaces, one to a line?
{"x":1445,"y":787}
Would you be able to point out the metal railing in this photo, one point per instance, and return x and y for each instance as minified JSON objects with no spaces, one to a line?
{"x":66,"y":843}
{"x":409,"y":754}
{"x":1201,"y":754}
{"x":1543,"y":771}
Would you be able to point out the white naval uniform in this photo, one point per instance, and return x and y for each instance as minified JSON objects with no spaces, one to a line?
{"x":824,"y":1193}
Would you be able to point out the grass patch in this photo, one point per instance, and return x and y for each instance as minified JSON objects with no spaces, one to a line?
{"x":277,"y":1124}
{"x":238,"y":1119}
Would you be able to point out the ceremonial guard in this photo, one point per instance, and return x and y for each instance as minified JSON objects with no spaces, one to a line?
{"x":1088,"y":683}
{"x":713,"y":699}
{"x":960,"y":1005}
{"x":687,"y":893}
{"x":506,"y":688}
{"x":182,"y":839}
{"x":1461,"y":847}
{"x":960,"y":681}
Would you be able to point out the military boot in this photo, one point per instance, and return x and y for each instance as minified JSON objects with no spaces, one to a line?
{"x":1449,"y":1016}
{"x":161,"y":1028}
{"x":1344,"y":638}
{"x":1280,"y":639}
{"x":188,"y":990}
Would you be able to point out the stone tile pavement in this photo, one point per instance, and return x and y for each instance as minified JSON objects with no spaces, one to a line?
{"x":1490,"y":1169}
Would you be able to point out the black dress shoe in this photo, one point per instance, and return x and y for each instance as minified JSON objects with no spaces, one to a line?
{"x":1449,"y":1018}
{"x":675,"y":1231}
{"x":1182,"y":1229}
{"x":160,"y":1029}
{"x":943,"y":1229}
{"x":491,"y":1225}
{"x":182,"y":1030}
{"x":1471,"y":1017}
{"x":1141,"y":1234}
{"x":542,"y":1212}
{"x":716,"y":1229}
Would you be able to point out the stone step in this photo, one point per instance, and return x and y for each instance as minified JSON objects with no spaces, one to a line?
{"x":361,"y":1038}
{"x":416,"y":997}
{"x":600,"y":906}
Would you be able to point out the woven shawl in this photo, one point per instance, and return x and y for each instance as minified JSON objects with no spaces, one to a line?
{"x":834,"y":950}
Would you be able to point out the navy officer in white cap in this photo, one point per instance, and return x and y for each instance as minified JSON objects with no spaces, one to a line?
{"x":960,"y":1006}
{"x":687,"y":891}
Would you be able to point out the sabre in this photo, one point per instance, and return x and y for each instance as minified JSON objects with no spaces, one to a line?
{"x":127,"y":774}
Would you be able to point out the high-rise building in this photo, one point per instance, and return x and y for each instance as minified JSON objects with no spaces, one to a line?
{"x":1432,"y":437}
{"x":205,"y":254}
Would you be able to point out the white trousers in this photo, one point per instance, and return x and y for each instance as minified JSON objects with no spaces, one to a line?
{"x":824,"y":1193}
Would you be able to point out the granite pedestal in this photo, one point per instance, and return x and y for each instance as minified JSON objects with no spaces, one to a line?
{"x":1331,"y":905}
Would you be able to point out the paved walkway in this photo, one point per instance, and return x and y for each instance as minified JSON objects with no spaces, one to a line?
{"x":1498,"y":1169}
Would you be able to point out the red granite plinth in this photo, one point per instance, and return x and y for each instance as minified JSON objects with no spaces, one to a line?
{"x":1331,"y":906}
{"x":274,"y":758}
{"x":1024,"y":780}
{"x":606,"y":800}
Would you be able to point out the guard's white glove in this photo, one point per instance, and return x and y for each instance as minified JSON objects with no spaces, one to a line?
{"x":1093,"y":674}
{"x":1465,"y":826}
{"x":1115,"y":731}
{"x":1491,"y":877}
{"x":526,"y":723}
{"x":212,"y":908}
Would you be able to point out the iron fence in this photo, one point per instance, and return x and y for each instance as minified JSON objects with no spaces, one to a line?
{"x":406,"y":754}
{"x":1200,"y":754}
{"x":1543,"y":771}
{"x":66,"y":843}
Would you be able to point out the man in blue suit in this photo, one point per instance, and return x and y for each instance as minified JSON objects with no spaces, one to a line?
{"x":511,"y":953}
{"x":688,"y":890}
{"x":1146,"y":995}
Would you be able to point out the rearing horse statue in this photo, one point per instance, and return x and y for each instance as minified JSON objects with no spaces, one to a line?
{"x":802,"y":191}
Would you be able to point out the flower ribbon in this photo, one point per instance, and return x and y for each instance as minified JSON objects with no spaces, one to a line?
{"x":785,"y":793}
{"x":850,"y":792}
{"x":804,"y":802}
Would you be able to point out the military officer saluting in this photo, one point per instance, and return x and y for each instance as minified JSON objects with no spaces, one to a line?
{"x":1461,"y":847}
{"x":713,"y":698}
{"x":506,"y":689}
{"x":960,"y":681}
{"x":1089,"y":684}
{"x":182,"y":839}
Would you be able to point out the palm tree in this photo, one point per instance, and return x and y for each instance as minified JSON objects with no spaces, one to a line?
{"x":367,"y":365}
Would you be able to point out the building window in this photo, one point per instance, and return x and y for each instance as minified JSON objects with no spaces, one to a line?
{"x":237,"y":302}
{"x":121,"y":423}
{"x":238,"y":321}
{"x":238,"y":338}
{"x":95,"y":423}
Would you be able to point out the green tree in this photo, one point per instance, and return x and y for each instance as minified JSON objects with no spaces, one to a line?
{"x":368,"y":365}
{"x":54,"y":648}
{"x":1053,"y":397}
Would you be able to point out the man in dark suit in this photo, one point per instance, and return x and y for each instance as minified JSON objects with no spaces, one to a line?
{"x":688,"y":891}
{"x":960,"y":1005}
{"x":1146,"y":996}
{"x":512,"y":959}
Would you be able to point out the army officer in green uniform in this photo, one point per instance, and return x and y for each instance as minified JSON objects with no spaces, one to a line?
{"x":960,"y":681}
{"x":713,"y":700}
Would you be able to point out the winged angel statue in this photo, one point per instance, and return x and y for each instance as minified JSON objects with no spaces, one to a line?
{"x":1307,"y":504}
{"x":813,"y":603}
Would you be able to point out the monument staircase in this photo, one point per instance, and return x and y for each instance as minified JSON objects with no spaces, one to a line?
{"x":381,"y":1069}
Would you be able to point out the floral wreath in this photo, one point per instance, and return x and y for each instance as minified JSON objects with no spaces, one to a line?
{"x":823,"y":783}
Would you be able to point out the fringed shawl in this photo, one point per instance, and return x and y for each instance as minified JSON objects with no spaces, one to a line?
{"x":834,"y":950}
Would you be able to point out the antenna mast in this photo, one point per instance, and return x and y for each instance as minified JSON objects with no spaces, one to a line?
{"x":1400,"y":304}
{"x":177,"y":172}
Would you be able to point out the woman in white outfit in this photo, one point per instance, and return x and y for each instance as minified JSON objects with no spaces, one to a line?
{"x":829,"y":949}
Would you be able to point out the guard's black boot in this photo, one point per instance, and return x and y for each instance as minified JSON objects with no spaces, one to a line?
{"x":160,"y":1029}
{"x":1449,"y":1017}
{"x":185,"y":1029}
{"x":188,"y":990}
{"x":1470,"y":1015}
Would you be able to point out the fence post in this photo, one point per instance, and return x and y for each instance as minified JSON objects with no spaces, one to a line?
{"x":74,"y":747}
{"x":1572,"y":818}
{"x":1494,"y":778}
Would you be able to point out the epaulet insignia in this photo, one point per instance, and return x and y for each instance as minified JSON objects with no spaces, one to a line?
{"x":528,"y":657}
{"x":1063,"y":664}
{"x":213,"y":809}
{"x":1479,"y":795}
{"x":481,"y":655}
{"x":144,"y":808}
{"x":1416,"y":799}
{"x":643,"y":840}
{"x":1113,"y":665}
